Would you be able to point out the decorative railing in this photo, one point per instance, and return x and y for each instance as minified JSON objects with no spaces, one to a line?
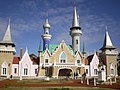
{"x":111,"y":52}
{"x":61,"y":64}
{"x":65,"y":64}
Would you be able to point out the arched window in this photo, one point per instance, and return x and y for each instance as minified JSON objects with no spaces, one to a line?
{"x":77,"y":41}
{"x":4,"y":68}
{"x":111,"y":69}
{"x":46,"y":59}
{"x":63,"y":58}
{"x":78,"y":59}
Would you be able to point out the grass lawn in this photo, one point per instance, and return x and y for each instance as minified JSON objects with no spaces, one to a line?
{"x":34,"y":81}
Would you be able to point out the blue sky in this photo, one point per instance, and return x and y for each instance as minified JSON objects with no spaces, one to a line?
{"x":27,"y":18}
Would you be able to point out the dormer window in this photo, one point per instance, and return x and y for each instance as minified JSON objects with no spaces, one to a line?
{"x":78,"y":59}
{"x":46,"y":59}
{"x":62,"y":58}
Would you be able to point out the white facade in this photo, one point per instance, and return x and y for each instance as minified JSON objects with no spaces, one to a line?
{"x":25,"y":67}
{"x":87,"y":70}
{"x":94,"y":66}
{"x":15,"y":70}
{"x":95,"y":69}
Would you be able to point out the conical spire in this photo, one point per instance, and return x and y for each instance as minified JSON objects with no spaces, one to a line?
{"x":107,"y":41}
{"x":40,"y":47}
{"x":46,"y":24}
{"x":75,"y":22}
{"x":83,"y":50}
{"x":7,"y":36}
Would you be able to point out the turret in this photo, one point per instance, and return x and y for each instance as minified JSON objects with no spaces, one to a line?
{"x":7,"y":52}
{"x":109,"y":55}
{"x":7,"y":43}
{"x":46,"y":36}
{"x":75,"y":31}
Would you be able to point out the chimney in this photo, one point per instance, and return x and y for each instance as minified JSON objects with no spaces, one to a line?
{"x":21,"y":53}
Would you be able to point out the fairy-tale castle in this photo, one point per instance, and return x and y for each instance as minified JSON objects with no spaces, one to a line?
{"x":57,"y":60}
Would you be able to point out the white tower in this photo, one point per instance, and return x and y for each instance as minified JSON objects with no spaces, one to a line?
{"x":46,"y":36}
{"x":75,"y":31}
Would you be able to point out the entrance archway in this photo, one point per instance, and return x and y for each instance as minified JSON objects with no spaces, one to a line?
{"x":65,"y":72}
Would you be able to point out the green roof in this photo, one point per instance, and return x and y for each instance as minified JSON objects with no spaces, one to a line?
{"x":40,"y":47}
{"x":53,"y":47}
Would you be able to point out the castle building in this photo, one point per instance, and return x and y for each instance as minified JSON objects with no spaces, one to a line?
{"x":58,"y":60}
{"x":62,"y":59}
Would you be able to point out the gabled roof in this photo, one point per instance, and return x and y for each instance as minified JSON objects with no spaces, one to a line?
{"x":95,"y":59}
{"x":78,"y":53}
{"x":90,"y":57}
{"x":16,"y":60}
{"x":32,"y":59}
{"x":53,"y":47}
{"x":35,"y":60}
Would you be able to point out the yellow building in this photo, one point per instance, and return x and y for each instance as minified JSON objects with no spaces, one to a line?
{"x":60,"y":60}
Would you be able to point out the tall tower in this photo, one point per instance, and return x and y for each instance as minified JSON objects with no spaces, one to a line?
{"x":109,"y":55}
{"x":46,"y":36}
{"x":7,"y":52}
{"x":75,"y":31}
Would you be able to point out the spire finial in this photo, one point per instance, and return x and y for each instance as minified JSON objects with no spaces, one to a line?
{"x":46,"y":24}
{"x":74,"y":3}
{"x":26,"y":49}
{"x":9,"y":22}
{"x":47,"y":15}
{"x":106,"y":27}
